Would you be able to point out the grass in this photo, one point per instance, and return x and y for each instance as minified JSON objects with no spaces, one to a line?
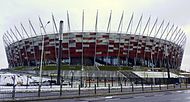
{"x":64,"y":67}
{"x":78,"y":67}
{"x":114,"y":68}
{"x":142,"y":69}
{"x":19,"y":68}
{"x":75,"y":67}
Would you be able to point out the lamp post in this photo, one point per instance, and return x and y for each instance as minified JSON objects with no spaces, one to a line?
{"x":166,"y":64}
{"x":81,"y":78}
{"x":42,"y":52}
{"x":59,"y":52}
{"x":42,"y":55}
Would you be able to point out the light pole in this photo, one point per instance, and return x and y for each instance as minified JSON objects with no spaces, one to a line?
{"x":81,"y":78}
{"x":59,"y":52}
{"x":42,"y":52}
{"x":42,"y":55}
{"x":166,"y":65}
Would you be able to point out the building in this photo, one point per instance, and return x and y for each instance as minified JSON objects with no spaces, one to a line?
{"x":151,"y":45}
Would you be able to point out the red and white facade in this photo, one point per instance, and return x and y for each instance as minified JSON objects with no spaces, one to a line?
{"x":106,"y":48}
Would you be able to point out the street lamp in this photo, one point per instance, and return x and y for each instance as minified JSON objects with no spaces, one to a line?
{"x":42,"y":52}
{"x":59,"y":52}
{"x":166,"y":64}
{"x":81,"y":78}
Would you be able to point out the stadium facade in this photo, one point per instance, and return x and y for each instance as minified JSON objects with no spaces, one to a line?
{"x":149,"y":44}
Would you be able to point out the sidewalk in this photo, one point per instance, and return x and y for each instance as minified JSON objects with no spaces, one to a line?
{"x":57,"y":88}
{"x":82,"y":96}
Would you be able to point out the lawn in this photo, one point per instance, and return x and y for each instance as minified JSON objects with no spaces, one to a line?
{"x":114,"y":68}
{"x":64,"y":67}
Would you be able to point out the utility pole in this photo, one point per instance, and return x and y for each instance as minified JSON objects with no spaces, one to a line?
{"x":59,"y":52}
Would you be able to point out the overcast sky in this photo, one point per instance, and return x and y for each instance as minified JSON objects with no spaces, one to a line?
{"x":15,"y":11}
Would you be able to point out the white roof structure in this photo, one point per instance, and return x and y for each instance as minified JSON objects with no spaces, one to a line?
{"x":150,"y":74}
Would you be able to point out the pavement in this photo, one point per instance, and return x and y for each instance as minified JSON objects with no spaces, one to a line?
{"x":57,"y":88}
{"x":168,"y":96}
{"x":102,"y":94}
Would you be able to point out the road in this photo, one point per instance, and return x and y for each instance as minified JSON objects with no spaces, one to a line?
{"x":169,"y":96}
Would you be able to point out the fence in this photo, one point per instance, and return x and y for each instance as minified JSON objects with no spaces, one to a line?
{"x":101,"y":86}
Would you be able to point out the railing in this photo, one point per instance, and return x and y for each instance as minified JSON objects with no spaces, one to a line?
{"x":88,"y":88}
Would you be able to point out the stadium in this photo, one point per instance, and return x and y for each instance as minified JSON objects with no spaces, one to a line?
{"x":151,"y":44}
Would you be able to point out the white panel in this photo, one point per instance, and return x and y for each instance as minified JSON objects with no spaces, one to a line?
{"x":98,"y":52}
{"x":72,"y":44}
{"x":111,"y":45}
{"x":110,"y":50}
{"x":64,"y":48}
{"x":115,"y":48}
{"x":47,"y":52}
{"x":78,"y":50}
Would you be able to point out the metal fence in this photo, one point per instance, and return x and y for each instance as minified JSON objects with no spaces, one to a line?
{"x":88,"y":87}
